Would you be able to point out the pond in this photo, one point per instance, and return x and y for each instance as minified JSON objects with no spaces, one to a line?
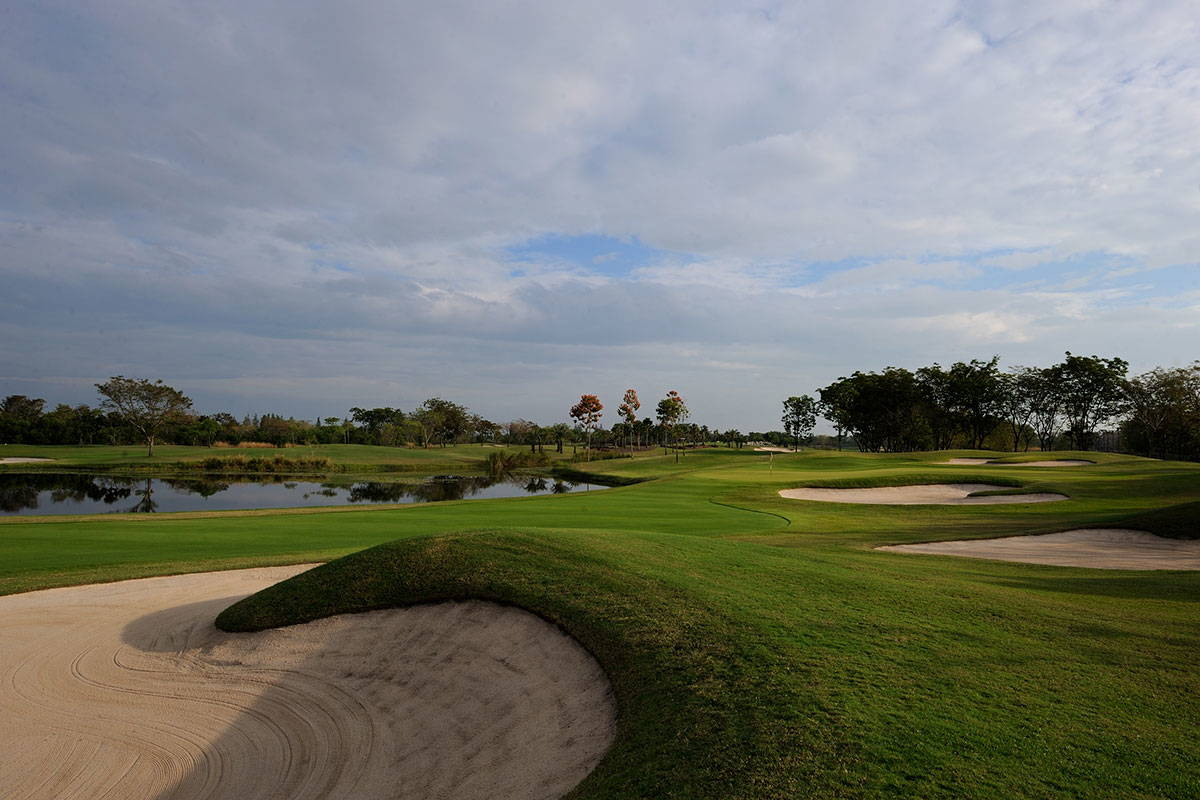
{"x":24,"y":494}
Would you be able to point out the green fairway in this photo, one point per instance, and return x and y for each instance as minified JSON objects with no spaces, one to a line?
{"x":760,"y":647}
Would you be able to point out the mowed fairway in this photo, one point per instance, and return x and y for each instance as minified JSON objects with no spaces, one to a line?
{"x":759,"y":646}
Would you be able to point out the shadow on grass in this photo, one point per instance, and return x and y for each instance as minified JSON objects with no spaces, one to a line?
{"x":1158,"y":586}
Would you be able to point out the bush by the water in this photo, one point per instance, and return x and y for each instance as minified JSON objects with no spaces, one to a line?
{"x":256,"y":464}
{"x":504,"y":461}
{"x":253,"y":445}
{"x":600,"y":455}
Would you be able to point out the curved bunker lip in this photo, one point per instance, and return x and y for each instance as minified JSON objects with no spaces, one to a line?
{"x":128,"y":689}
{"x":939,"y":494}
{"x":1097,"y":548}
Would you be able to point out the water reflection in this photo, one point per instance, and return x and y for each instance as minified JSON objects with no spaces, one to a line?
{"x":41,"y":493}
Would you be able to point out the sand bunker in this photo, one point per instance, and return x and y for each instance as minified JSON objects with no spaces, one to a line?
{"x":939,"y":494}
{"x":773,"y":450}
{"x":126,"y":690}
{"x":1102,"y":548}
{"x":1059,"y":462}
{"x":18,"y":460}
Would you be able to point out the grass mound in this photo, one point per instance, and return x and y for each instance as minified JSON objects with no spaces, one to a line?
{"x":711,"y":724}
{"x":1174,"y":522}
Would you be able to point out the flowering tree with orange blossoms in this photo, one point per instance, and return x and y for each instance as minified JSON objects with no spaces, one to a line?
{"x":587,"y":414}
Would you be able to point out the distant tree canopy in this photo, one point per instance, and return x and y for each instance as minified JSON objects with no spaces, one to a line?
{"x":969,"y":403}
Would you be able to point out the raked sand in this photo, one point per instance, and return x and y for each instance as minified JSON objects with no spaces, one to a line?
{"x":1057,"y":462}
{"x":126,"y":690}
{"x":939,"y":494}
{"x":1102,"y":548}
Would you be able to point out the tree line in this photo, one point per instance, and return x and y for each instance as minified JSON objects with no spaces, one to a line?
{"x":147,"y":412}
{"x":977,"y":405}
{"x":971,"y":404}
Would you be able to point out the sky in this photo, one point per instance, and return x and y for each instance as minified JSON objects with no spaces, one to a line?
{"x":300,"y":207}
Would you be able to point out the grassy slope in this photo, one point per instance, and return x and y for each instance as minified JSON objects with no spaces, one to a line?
{"x":759,"y":647}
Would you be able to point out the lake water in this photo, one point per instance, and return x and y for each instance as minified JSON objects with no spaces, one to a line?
{"x":23,"y":494}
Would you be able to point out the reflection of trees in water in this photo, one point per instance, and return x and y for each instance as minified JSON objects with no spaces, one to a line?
{"x":20,"y":491}
{"x":440,"y":489}
{"x":373,"y":492}
{"x":205,"y":487}
{"x":433,"y":491}
{"x":146,"y":504}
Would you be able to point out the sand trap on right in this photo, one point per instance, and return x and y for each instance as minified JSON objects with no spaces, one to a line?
{"x":935,"y":494}
{"x":1101,"y":548}
{"x":1057,"y":462}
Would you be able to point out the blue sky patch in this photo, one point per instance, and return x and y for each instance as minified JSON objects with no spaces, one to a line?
{"x":606,"y":255}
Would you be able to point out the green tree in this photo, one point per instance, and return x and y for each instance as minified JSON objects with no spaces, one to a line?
{"x":1093,"y":392}
{"x":976,"y":396}
{"x":1164,"y":409}
{"x":375,"y":420}
{"x":146,"y":406}
{"x":671,"y":411}
{"x":1019,"y":388}
{"x":19,"y":418}
{"x":442,"y":420}
{"x":559,"y":431}
{"x":799,"y":417}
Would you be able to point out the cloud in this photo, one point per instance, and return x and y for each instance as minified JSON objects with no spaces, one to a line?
{"x":249,"y":194}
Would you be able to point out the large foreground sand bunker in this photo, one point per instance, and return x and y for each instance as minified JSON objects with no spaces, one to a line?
{"x":938,"y":494}
{"x":1103,"y":548}
{"x":1056,"y":462}
{"x":126,"y":690}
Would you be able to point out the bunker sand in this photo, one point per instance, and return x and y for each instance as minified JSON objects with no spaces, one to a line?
{"x":22,"y":460}
{"x":1058,"y":462}
{"x":1100,"y":548}
{"x":939,"y":494}
{"x":127,"y":690}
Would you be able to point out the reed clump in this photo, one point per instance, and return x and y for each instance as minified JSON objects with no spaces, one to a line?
{"x":278,"y":464}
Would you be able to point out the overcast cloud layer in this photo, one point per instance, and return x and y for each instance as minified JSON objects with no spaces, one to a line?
{"x":301,"y":207}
